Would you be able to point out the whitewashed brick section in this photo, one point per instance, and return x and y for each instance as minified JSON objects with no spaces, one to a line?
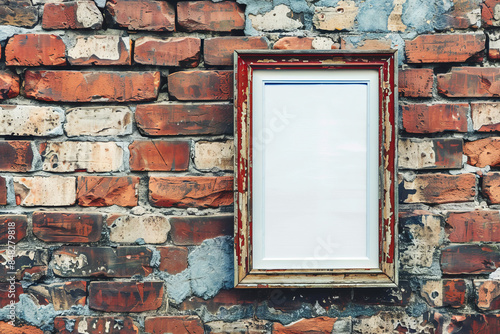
{"x":30,"y":121}
{"x":98,"y":121}
{"x":209,"y":155}
{"x":341,"y":17}
{"x":153,"y":229}
{"x":279,"y":18}
{"x":90,"y":156}
{"x":45,"y":191}
{"x":101,"y":48}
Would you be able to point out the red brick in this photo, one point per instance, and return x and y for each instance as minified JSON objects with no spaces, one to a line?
{"x":62,"y":296}
{"x":464,"y":14}
{"x":219,"y":51}
{"x":95,"y":325}
{"x":435,"y":153}
{"x":101,"y":50}
{"x":294,"y":43}
{"x":107,"y":190}
{"x":10,"y":292}
{"x":489,"y":9}
{"x":474,"y":323}
{"x":142,"y":14}
{"x":483,"y":152}
{"x":438,"y":189}
{"x":184,"y":119}
{"x":125,"y":296}
{"x":209,"y":16}
{"x":6,"y":327}
{"x":173,"y":51}
{"x":454,"y":292}
{"x":469,"y":259}
{"x":155,"y":155}
{"x":17,"y":156}
{"x":480,"y":82}
{"x":3,"y":191}
{"x":314,"y":325}
{"x":474,"y":226}
{"x":33,"y":262}
{"x":446,"y":48}
{"x":16,"y":223}
{"x":185,"y":192}
{"x":201,"y":85}
{"x":416,"y":82}
{"x":488,"y":294}
{"x":9,"y":85}
{"x":491,"y":187}
{"x":74,"y":86}
{"x":485,"y":116}
{"x":18,"y":13}
{"x":424,"y":118}
{"x":72,"y":15}
{"x":174,"y":259}
{"x":188,"y":231}
{"x":35,"y":50}
{"x":174,"y":325}
{"x":67,"y":227}
{"x":101,"y":261}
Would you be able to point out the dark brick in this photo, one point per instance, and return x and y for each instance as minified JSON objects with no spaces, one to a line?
{"x":19,"y":13}
{"x":10,"y":292}
{"x":101,"y":261}
{"x":188,"y":231}
{"x":62,"y":296}
{"x":68,"y":227}
{"x":32,"y":262}
{"x":16,"y":223}
{"x":184,"y":119}
{"x":469,"y":259}
{"x":174,"y":259}
{"x":17,"y":156}
{"x":3,"y":191}
{"x":125,"y":296}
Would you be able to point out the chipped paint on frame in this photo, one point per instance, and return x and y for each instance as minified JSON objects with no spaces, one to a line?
{"x":384,"y":276}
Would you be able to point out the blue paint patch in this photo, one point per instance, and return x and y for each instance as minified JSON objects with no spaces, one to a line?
{"x":210,"y":270}
{"x":373,"y":15}
{"x":425,"y":15}
{"x":259,"y":7}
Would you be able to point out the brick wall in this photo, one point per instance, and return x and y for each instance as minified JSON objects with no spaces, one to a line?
{"x":116,"y":165}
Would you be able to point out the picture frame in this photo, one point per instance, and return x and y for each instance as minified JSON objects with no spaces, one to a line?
{"x":315,"y":168}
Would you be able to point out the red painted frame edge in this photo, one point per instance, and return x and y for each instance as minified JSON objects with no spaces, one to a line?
{"x":386,"y":62}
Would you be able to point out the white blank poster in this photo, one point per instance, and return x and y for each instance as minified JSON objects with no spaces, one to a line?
{"x":315,"y":169}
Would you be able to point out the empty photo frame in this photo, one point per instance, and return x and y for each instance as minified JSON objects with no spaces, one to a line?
{"x":315,"y":169}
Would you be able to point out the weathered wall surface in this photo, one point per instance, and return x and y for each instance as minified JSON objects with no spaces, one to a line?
{"x":116,"y":165}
